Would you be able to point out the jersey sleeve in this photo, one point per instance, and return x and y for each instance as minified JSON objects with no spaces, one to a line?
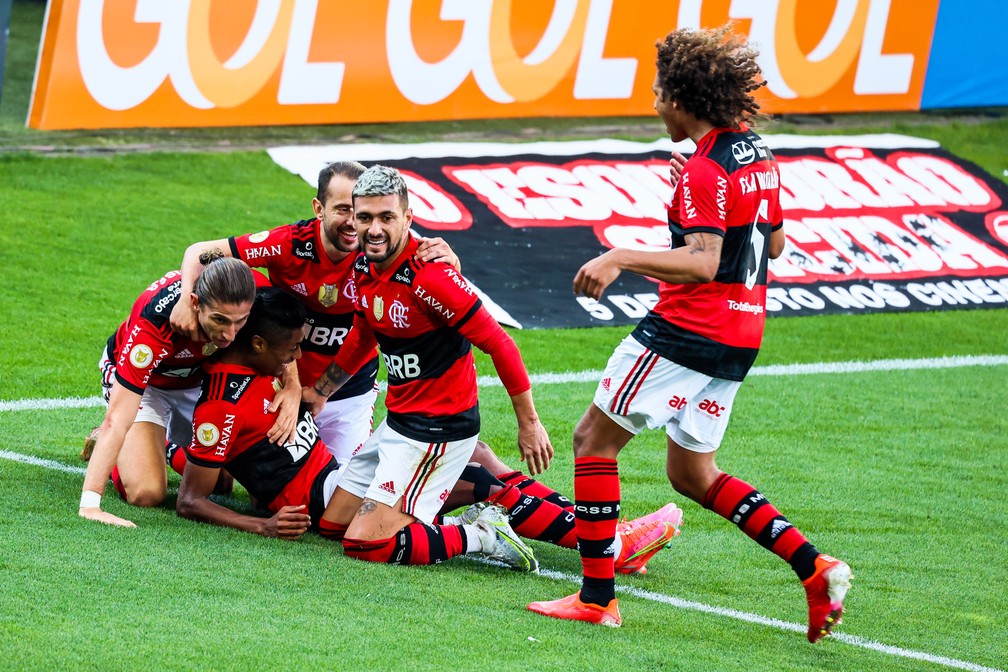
{"x":445,"y":295}
{"x":214,"y":425}
{"x":704,"y":187}
{"x":145,"y":348}
{"x":485,"y":333}
{"x":265,"y":249}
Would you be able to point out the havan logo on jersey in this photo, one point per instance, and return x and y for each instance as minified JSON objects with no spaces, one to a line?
{"x":263,"y":252}
{"x":442,"y":310}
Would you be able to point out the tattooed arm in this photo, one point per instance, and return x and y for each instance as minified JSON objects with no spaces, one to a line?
{"x":696,"y":261}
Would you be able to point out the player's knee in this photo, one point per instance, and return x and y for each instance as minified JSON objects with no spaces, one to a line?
{"x":685,"y":483}
{"x":146,"y":495}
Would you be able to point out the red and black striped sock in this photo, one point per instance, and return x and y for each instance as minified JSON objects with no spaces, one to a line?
{"x":415,"y":544}
{"x":596,"y":510}
{"x":535,"y":488}
{"x":745,"y":506}
{"x":176,"y":457}
{"x":330,"y":530}
{"x":535,"y":518}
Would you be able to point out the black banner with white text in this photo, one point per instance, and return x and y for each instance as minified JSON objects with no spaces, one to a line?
{"x":873,"y":223}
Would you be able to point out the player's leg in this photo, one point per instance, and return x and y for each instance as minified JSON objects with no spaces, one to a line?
{"x":411,"y":481}
{"x":140,"y":474}
{"x":485,"y":456}
{"x":692,"y":472}
{"x":345,"y":424}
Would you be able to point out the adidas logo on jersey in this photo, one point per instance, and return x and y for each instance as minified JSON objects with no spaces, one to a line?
{"x":185,"y":353}
{"x":300,"y":289}
{"x":388,"y":487}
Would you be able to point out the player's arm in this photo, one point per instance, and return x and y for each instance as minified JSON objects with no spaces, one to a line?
{"x":777,"y":241}
{"x":286,"y":404}
{"x":486,"y":334}
{"x":183,"y":316}
{"x":357,"y":349}
{"x":194,"y":503}
{"x":696,"y":261}
{"x":119,"y":416}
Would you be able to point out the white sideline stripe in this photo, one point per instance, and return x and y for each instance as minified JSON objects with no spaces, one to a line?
{"x":747,"y":617}
{"x":39,"y":462}
{"x":593,"y":376}
{"x":642,"y":594}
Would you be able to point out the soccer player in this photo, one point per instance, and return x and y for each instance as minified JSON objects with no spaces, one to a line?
{"x":313,"y":259}
{"x":425,"y":319}
{"x":682,"y":366}
{"x":295,"y":480}
{"x":151,"y":378}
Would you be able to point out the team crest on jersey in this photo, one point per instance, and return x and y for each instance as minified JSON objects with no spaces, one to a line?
{"x":258,"y":237}
{"x":350,"y":289}
{"x":398,"y":314}
{"x":208,"y":434}
{"x":209,"y":349}
{"x":327,"y":295}
{"x":379,"y":308}
{"x":141,"y":356}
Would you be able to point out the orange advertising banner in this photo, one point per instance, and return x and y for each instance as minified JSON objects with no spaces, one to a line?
{"x":158,"y":63}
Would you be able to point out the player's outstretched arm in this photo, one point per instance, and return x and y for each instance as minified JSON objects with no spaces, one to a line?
{"x":194,"y":503}
{"x":183,"y":316}
{"x":119,"y":417}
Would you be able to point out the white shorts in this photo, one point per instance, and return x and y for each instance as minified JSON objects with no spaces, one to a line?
{"x":345,"y":424}
{"x":171,"y":409}
{"x":640,"y":389}
{"x":390,"y":467}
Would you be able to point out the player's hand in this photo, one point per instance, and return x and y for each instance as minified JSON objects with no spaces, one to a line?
{"x":184,"y":321}
{"x":597,"y":274}
{"x":289,"y":523}
{"x":535,"y":447}
{"x":286,"y":404}
{"x":314,"y":400}
{"x":96,"y":514}
{"x":436,"y":249}
{"x":677,"y":163}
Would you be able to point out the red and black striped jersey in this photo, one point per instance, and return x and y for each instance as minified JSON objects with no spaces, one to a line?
{"x":730,"y":187}
{"x":297,"y":263}
{"x":420,"y":315}
{"x":145,"y":349}
{"x":229,"y":432}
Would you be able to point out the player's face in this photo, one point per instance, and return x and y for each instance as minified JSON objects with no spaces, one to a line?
{"x":220,"y":322}
{"x":337,"y":214}
{"x":275,"y":358}
{"x":666,"y":110}
{"x":382,"y":227}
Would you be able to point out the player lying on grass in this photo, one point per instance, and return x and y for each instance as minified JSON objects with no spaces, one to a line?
{"x":295,"y":481}
{"x":150,"y":378}
{"x":313,"y":260}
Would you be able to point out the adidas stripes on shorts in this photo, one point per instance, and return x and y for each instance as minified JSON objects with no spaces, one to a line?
{"x":390,"y":467}
{"x":642,"y":390}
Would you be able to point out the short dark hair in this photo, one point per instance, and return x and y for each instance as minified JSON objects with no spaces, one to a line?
{"x":711,"y":74}
{"x":348,"y":169}
{"x":275,"y":314}
{"x":224,"y":280}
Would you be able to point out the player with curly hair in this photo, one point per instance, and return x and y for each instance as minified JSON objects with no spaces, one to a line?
{"x":682,"y":366}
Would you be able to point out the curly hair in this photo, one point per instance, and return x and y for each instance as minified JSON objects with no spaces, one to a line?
{"x":711,"y":74}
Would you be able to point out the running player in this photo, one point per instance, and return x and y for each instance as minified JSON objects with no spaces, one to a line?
{"x":698,"y":343}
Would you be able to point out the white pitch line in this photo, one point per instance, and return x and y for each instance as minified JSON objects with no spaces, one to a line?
{"x":647,"y":595}
{"x":39,"y":462}
{"x":593,"y":376}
